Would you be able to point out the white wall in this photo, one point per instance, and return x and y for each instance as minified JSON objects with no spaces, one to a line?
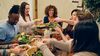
{"x":64,"y":7}
{"x":5,"y":5}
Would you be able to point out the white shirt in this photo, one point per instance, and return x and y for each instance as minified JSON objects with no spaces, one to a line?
{"x":25,"y":26}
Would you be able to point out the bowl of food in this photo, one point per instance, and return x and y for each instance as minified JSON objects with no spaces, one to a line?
{"x":31,"y":51}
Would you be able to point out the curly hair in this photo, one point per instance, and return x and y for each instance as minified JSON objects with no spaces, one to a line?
{"x":51,"y":7}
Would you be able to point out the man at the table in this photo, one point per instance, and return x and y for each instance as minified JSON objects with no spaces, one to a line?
{"x":8,"y":30}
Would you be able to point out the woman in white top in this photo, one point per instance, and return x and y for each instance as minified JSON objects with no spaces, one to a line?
{"x":25,"y":22}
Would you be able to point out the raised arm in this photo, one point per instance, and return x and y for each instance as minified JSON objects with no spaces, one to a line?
{"x":71,"y":22}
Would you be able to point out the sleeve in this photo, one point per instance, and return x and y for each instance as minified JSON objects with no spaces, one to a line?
{"x":2,"y":34}
{"x":6,"y":46}
{"x":65,"y":46}
{"x":17,"y":29}
{"x":68,"y":31}
{"x":45,"y":50}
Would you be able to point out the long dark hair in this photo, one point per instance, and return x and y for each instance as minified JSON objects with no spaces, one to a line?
{"x":86,"y":37}
{"x":68,"y":29}
{"x":22,"y":10}
{"x":82,"y":15}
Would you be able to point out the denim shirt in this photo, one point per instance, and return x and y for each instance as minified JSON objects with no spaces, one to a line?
{"x":8,"y":32}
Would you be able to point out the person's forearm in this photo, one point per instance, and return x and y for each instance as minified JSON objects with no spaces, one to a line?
{"x":63,"y":37}
{"x":45,"y":50}
{"x":64,"y":46}
{"x":71,"y":22}
{"x":6,"y":46}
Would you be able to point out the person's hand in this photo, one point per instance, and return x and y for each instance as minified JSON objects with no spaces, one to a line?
{"x":58,"y":29}
{"x":14,"y":45}
{"x":38,"y":22}
{"x":46,"y":40}
{"x":39,"y":44}
{"x":17,"y":50}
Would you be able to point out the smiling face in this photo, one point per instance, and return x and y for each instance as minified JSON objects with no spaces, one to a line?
{"x":51,"y":12}
{"x":27,"y":9}
{"x":74,"y":17}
